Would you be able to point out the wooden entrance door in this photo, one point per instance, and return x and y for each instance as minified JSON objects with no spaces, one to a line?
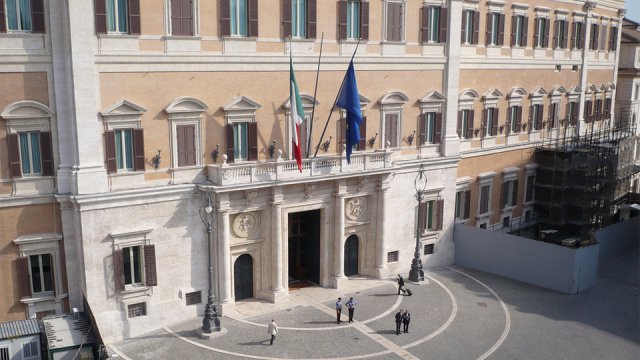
{"x":351,"y":256}
{"x":304,"y":245}
{"x":243,"y":277}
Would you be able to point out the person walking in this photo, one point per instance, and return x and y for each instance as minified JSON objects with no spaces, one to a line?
{"x":400,"y":284}
{"x":272,"y":330}
{"x":398,"y":321}
{"x":406,"y":319}
{"x":351,"y":305}
{"x":339,"y":309}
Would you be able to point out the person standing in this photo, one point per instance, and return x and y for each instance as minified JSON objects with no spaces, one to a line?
{"x":406,"y":319}
{"x":272,"y":330}
{"x":398,"y":321}
{"x":400,"y":284}
{"x":339,"y":309}
{"x":351,"y":305}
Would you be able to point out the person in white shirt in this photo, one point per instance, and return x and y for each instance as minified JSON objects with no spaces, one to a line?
{"x":272,"y":330}
{"x":339,"y":309}
{"x":351,"y":305}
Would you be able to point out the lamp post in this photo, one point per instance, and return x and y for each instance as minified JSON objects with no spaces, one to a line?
{"x":211,"y":321}
{"x":420,"y":183}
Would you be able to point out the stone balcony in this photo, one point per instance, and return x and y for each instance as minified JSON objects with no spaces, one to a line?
{"x":287,"y":170}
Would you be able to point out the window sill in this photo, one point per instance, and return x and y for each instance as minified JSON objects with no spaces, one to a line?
{"x":239,"y":38}
{"x":484,"y":216}
{"x":43,"y":298}
{"x":300,"y":39}
{"x":353,"y":41}
{"x":126,"y":173}
{"x":21,"y":34}
{"x":182,"y":37}
{"x":462,"y":221}
{"x":117,"y":36}
{"x":133,"y":292}
{"x":508,"y":209}
{"x":385,"y":42}
{"x":429,"y":235}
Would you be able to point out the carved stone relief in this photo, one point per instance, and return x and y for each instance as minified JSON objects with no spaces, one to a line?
{"x":245,"y":224}
{"x":356,"y":208}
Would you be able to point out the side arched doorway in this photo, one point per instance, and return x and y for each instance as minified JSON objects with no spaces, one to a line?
{"x":243,"y":277}
{"x":351,"y":256}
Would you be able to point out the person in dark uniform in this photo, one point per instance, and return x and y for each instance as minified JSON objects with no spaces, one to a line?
{"x":339,"y":309}
{"x":351,"y":305}
{"x":398,"y":321}
{"x":406,"y":319}
{"x":400,"y":284}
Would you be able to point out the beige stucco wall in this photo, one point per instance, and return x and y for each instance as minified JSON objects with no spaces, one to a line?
{"x":14,"y":222}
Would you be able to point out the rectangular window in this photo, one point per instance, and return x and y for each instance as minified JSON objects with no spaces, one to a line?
{"x":518,"y":30}
{"x":135,"y":310}
{"x":117,"y":16}
{"x":41,"y":269}
{"x":572,"y":113}
{"x":30,"y":349}
{"x":18,"y":15}
{"x":506,"y":221}
{"x":462,"y":204}
{"x":434,"y":24}
{"x":194,"y":298}
{"x":428,"y":249}
{"x":593,"y":45}
{"x":391,"y":129}
{"x":529,"y":190}
{"x":299,"y":18}
{"x":181,"y":18}
{"x":30,"y":153}
{"x":429,"y":126}
{"x":124,"y":149}
{"x":553,"y":115}
{"x":513,"y":119}
{"x":353,"y":19}
{"x":4,"y":353}
{"x":485,"y":194}
{"x":613,"y":38}
{"x":509,"y":193}
{"x":186,"y":139}
{"x":392,"y":256}
{"x":560,"y":34}
{"x":133,"y":265}
{"x":394,"y":21}
{"x":491,"y":121}
{"x":494,"y":28}
{"x":468,"y":22}
{"x":240,"y":136}
{"x":239,"y":17}
{"x":430,"y":215}
{"x":536,"y":116}
{"x":603,"y":37}
{"x":576,"y":36}
{"x":541,"y":32}
{"x":637,"y":94}
{"x":465,"y":124}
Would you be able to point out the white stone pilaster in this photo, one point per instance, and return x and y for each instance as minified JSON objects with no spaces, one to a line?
{"x":73,"y":263}
{"x":81,"y":163}
{"x":338,"y":244}
{"x":584,"y":69}
{"x":381,"y":259}
{"x":224,"y":250}
{"x":621,"y":14}
{"x":277,"y":265}
{"x":451,"y":142}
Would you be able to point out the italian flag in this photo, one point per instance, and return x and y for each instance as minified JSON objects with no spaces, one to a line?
{"x":297,"y":116}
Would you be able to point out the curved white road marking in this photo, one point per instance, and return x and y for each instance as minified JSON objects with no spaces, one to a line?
{"x":507,"y":316}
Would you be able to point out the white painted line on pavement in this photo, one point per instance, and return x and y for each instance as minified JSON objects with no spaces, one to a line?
{"x":125,"y":357}
{"x":507,"y":315}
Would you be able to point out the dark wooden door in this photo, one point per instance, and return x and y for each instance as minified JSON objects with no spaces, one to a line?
{"x":351,"y":256}
{"x":243,"y":277}
{"x":304,"y":245}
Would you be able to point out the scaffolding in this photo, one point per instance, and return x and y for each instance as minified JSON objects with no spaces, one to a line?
{"x":581,"y":181}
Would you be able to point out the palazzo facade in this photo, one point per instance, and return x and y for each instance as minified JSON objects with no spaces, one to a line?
{"x":126,"y":120}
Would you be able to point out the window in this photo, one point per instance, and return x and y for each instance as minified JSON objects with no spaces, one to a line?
{"x":434,"y":24}
{"x":636,"y":96}
{"x":391,"y":129}
{"x":593,"y":45}
{"x":134,"y":266}
{"x":577,"y":35}
{"x":238,"y":17}
{"x":353,"y":20}
{"x":495,"y":29}
{"x":572,"y":113}
{"x":529,"y":188}
{"x":485,"y":197}
{"x":490,"y":123}
{"x":30,"y":153}
{"x":607,"y":108}
{"x":123,"y":140}
{"x":41,"y":270}
{"x":241,"y":130}
{"x":182,"y":18}
{"x":602,"y":37}
{"x":463,"y":204}
{"x":392,"y":256}
{"x":465,"y":124}
{"x":18,"y":15}
{"x":613,"y":38}
{"x":362,"y":145}
{"x":430,"y":128}
{"x":470,"y":22}
{"x":509,"y":193}
{"x":535,"y":115}
{"x":541,"y":36}
{"x":4,"y":353}
{"x":598,"y":109}
{"x":124,"y":149}
{"x":519,"y":25}
{"x":186,"y":141}
{"x":298,"y":18}
{"x":135,"y":310}
{"x":588,"y":110}
{"x":395,"y":21}
{"x":194,"y":298}
{"x":430,"y":215}
{"x":553,"y":115}
{"x":514,"y":122}
{"x":428,"y":249}
{"x":117,"y":16}
{"x":30,"y":349}
{"x":561,"y":34}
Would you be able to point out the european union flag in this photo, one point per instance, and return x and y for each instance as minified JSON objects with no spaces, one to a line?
{"x":349,"y":100}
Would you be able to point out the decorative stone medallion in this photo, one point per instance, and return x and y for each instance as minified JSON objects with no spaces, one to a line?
{"x":245,"y":224}
{"x":356,"y":208}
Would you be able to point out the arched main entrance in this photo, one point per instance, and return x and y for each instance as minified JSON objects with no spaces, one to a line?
{"x":243,"y":277}
{"x":351,"y":256}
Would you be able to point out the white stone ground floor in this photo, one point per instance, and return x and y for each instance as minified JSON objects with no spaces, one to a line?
{"x":139,"y":257}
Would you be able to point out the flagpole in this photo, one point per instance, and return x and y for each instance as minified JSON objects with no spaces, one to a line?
{"x":334,"y":104}
{"x":315,"y":92}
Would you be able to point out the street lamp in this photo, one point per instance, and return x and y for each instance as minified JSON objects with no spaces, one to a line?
{"x":211,"y":321}
{"x":420,"y":183}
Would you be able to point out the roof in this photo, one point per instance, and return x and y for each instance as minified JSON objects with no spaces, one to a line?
{"x":19,"y":328}
{"x":65,"y":331}
{"x":630,"y":31}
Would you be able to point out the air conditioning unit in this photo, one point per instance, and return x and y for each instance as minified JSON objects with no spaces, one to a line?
{"x":570,"y":242}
